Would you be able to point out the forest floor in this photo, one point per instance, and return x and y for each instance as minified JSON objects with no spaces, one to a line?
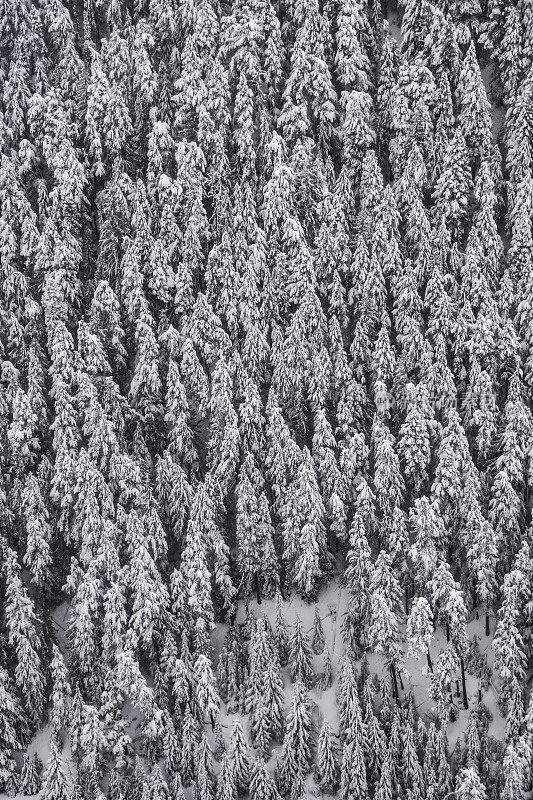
{"x":332,"y":603}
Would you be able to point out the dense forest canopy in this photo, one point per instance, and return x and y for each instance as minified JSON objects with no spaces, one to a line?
{"x":266,"y":339}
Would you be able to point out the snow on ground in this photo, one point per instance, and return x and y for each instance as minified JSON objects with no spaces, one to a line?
{"x":394,"y":27}
{"x":332,"y":603}
{"x":41,"y":745}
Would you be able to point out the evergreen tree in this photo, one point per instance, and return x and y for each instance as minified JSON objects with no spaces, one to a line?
{"x":414,"y":442}
{"x":296,"y":752}
{"x":262,"y":786}
{"x":326,"y":763}
{"x":469,"y":785}
{"x":318,"y":641}
{"x":357,"y":576}
{"x":304,"y":529}
{"x":226,"y":783}
{"x":453,"y":186}
{"x":30,"y":778}
{"x":21,"y":624}
{"x":10,"y":730}
{"x":419,"y":629}
{"x":385,"y":787}
{"x":206,"y":692}
{"x":56,"y":782}
{"x":353,"y":776}
{"x":61,"y":693}
{"x":37,"y":557}
{"x":383,"y":631}
{"x":300,"y":655}
{"x":474,"y":116}
{"x":240,"y":758}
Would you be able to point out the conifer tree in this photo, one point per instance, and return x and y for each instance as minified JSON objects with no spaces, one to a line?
{"x":414,"y":441}
{"x":189,"y":742}
{"x":453,"y":186}
{"x":21,"y":623}
{"x":469,"y":785}
{"x":61,"y":693}
{"x":262,"y":786}
{"x":326,"y":762}
{"x":56,"y":783}
{"x":220,"y":744}
{"x":419,"y":630}
{"x":374,"y":743}
{"x":318,"y":641}
{"x":412,"y":776}
{"x":206,"y":692}
{"x":240,"y":757}
{"x":474,"y":117}
{"x":37,"y":557}
{"x":10,"y":730}
{"x":385,"y":788}
{"x":348,"y":699}
{"x":300,"y":655}
{"x":30,"y":778}
{"x":304,"y":531}
{"x":296,"y":752}
{"x":353,"y":776}
{"x":273,"y":696}
{"x":357,"y":576}
{"x":384,"y":600}
{"x":352,"y":61}
{"x":225,"y":782}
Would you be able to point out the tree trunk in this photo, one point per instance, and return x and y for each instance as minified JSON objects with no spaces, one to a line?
{"x":430,"y":663}
{"x":406,"y":599}
{"x":487,"y":625}
{"x":463,"y":681}
{"x":394,"y":682}
{"x":447,"y":632}
{"x":257,"y":588}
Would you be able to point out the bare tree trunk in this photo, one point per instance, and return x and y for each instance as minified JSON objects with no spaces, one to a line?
{"x":487,"y":625}
{"x":257,"y":588}
{"x":463,"y":681}
{"x":430,"y":663}
{"x":394,"y":682}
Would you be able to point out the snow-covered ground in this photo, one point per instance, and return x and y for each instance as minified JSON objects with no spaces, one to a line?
{"x":332,"y":603}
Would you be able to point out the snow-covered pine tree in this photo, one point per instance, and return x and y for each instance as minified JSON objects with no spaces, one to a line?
{"x":326,"y":760}
{"x":300,"y":655}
